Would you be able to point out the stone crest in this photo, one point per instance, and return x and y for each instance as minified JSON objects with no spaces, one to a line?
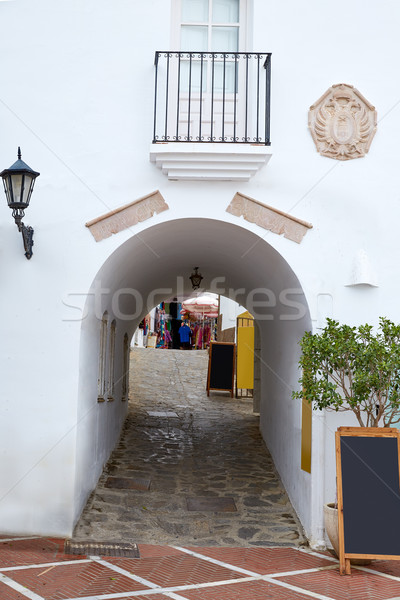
{"x":342,"y":123}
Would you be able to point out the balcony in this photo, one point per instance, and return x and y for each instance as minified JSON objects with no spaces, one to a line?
{"x":211,"y":114}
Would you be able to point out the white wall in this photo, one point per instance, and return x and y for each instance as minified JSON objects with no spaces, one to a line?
{"x":77,"y":96}
{"x":98,"y":423}
{"x":229,"y":309}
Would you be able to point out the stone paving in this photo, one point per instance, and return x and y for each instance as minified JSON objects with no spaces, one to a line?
{"x":189,"y":469}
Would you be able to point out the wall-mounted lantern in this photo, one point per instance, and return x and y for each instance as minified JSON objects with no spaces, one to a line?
{"x":196,"y":278}
{"x":18,"y":181}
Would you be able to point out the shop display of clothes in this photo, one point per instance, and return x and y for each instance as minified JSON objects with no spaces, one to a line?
{"x":174,"y":311}
{"x":145,"y":325}
{"x":176,"y":331}
{"x":185,"y":336}
{"x":164,"y":339}
{"x":203,"y":334}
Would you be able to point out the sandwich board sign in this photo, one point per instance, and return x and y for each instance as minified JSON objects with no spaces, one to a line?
{"x":221,"y":367}
{"x":368,"y":487}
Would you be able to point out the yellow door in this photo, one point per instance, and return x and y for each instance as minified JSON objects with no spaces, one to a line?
{"x":245,"y":352}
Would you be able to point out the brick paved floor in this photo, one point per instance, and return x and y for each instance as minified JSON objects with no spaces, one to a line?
{"x":38,"y":569}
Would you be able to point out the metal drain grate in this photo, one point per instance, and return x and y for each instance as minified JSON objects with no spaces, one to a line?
{"x":101,"y":549}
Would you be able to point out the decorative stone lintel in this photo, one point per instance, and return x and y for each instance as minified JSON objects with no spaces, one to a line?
{"x":126,"y":216}
{"x":268,"y":217}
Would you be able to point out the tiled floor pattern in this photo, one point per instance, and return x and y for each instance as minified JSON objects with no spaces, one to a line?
{"x":37,"y":569}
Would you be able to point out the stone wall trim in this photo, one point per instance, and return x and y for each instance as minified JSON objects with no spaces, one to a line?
{"x":268,"y":217}
{"x":126,"y":216}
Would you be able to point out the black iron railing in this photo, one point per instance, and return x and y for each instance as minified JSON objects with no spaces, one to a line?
{"x":212,"y":97}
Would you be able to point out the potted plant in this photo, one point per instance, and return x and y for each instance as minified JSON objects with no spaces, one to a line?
{"x":353,"y":369}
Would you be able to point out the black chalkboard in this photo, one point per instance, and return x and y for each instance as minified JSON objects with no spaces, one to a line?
{"x":221,"y":366}
{"x":369,"y":492}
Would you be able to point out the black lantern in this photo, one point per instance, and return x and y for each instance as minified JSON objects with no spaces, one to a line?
{"x":196,"y":278}
{"x":18,"y":181}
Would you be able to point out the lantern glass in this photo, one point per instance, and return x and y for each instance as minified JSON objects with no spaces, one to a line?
{"x":27,"y":189}
{"x":7,"y":189}
{"x":20,"y":188}
{"x":16,"y":185}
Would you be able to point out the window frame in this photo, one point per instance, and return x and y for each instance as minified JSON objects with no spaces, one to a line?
{"x":176,"y":24}
{"x":101,"y":380}
{"x":126,"y":365}
{"x":111,"y":362}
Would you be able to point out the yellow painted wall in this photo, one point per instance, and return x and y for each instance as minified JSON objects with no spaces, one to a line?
{"x":306,"y":433}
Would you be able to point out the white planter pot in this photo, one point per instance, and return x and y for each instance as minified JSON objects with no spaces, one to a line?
{"x":331,"y":525}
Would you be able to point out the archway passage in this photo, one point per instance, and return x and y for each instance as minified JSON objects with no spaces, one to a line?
{"x":189,"y":469}
{"x":155,"y":265}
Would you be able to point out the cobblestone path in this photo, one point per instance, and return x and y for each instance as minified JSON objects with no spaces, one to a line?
{"x":196,"y":467}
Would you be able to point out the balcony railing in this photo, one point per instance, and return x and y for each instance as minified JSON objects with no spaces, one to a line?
{"x":219,"y":97}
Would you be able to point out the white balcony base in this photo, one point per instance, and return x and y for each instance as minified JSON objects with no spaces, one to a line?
{"x":209,"y":162}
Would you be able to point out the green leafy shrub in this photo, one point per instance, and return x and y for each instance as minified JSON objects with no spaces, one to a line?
{"x":353,"y":369}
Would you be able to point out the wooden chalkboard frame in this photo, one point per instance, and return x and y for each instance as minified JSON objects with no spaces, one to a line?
{"x":382,"y":432}
{"x":210,"y":366}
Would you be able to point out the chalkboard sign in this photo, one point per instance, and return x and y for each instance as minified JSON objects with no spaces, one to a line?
{"x":368,"y":481}
{"x":221,"y":367}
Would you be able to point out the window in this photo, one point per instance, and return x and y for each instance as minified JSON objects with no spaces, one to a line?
{"x":111,"y":363}
{"x":211,"y":88}
{"x":204,"y":81}
{"x":101,"y":381}
{"x":125,"y":374}
{"x":210,"y":26}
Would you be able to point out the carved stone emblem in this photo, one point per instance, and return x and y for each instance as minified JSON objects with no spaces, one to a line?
{"x":342,"y":123}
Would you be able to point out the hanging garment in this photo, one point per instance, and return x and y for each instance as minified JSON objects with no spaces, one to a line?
{"x":184,"y":334}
